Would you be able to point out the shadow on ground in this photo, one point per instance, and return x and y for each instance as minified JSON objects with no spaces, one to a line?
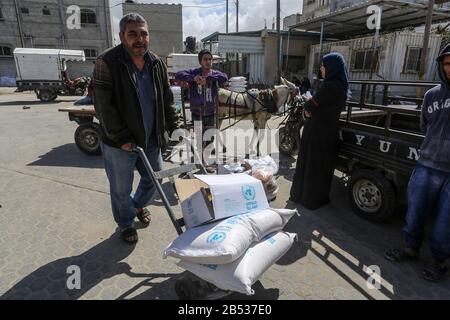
{"x":31,"y":103}
{"x":101,"y":262}
{"x":287,"y":167}
{"x":68,"y":155}
{"x":166,"y":290}
{"x":342,"y":234}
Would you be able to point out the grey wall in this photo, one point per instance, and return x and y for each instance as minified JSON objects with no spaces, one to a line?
{"x":393,"y":47}
{"x":47,"y":30}
{"x":291,"y":20}
{"x":313,"y":8}
{"x":297,"y":47}
{"x":165,"y":24}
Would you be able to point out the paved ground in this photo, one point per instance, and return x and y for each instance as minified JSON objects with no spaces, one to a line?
{"x":55,"y":212}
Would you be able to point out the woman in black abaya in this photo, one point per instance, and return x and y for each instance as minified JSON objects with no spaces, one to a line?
{"x":319,"y":144}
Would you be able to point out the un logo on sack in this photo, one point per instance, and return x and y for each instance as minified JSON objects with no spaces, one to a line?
{"x":249,"y":193}
{"x":216,"y":237}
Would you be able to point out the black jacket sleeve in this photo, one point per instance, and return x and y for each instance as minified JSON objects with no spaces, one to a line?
{"x":169,"y":110}
{"x":105,"y":109}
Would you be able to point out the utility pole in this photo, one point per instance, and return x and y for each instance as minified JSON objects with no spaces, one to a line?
{"x":279,"y":41}
{"x":63,"y":26}
{"x":321,"y":41}
{"x":426,"y":40}
{"x":107,"y":5}
{"x":19,"y":23}
{"x":226,"y":15}
{"x":228,"y":69}
{"x":237,"y":15}
{"x":374,"y":61}
{"x":237,"y":30}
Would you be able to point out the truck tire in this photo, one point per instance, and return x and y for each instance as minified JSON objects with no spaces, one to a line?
{"x":372,"y":196}
{"x":87,"y":138}
{"x":46,"y":95}
{"x":187,"y":289}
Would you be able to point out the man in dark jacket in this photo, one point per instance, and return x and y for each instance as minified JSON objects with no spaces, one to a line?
{"x":429,"y":187}
{"x":134,"y":104}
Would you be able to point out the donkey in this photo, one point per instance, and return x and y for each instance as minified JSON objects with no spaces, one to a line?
{"x":255,"y":105}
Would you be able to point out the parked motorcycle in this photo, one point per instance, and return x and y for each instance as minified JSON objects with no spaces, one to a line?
{"x":291,"y":127}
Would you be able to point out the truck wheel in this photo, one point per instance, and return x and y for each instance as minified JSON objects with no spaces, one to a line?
{"x":46,"y":95}
{"x":87,"y":138}
{"x":186,"y":289}
{"x":372,"y":196}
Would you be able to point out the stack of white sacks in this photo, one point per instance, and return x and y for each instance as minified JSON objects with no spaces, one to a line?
{"x":177,"y":97}
{"x":232,"y":254}
{"x":238,"y":84}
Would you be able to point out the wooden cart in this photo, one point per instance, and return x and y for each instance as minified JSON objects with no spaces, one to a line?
{"x":87,"y":135}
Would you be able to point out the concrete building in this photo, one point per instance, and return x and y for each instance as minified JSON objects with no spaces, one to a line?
{"x":317,"y":8}
{"x":291,"y":20}
{"x":397,"y":59}
{"x":43,"y":24}
{"x":258,"y":53}
{"x":394,"y":54}
{"x":165,"y":23}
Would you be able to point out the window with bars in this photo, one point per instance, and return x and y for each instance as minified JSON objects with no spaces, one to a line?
{"x":88,"y":16}
{"x":90,"y":53}
{"x":412,"y":59}
{"x":5,"y":51}
{"x":364,"y":60}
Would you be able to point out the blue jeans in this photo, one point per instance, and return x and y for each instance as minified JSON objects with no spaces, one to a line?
{"x":207,"y":123}
{"x":119,"y":166}
{"x":428,"y":193}
{"x":84,"y":101}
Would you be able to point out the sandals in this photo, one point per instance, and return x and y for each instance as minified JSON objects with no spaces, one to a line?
{"x":435,"y":272}
{"x":398,"y":255}
{"x":128,"y":233}
{"x":141,"y":215}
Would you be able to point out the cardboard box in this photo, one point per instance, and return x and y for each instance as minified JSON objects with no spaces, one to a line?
{"x":215,"y":197}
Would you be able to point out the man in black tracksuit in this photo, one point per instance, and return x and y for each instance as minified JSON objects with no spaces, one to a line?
{"x":429,"y":188}
{"x":134,"y":104}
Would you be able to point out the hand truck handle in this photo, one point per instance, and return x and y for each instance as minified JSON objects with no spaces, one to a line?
{"x":157,"y":184}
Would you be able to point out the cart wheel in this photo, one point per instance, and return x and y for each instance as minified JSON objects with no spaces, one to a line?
{"x":372,"y":196}
{"x":46,"y":95}
{"x":186,"y":289}
{"x":87,"y":138}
